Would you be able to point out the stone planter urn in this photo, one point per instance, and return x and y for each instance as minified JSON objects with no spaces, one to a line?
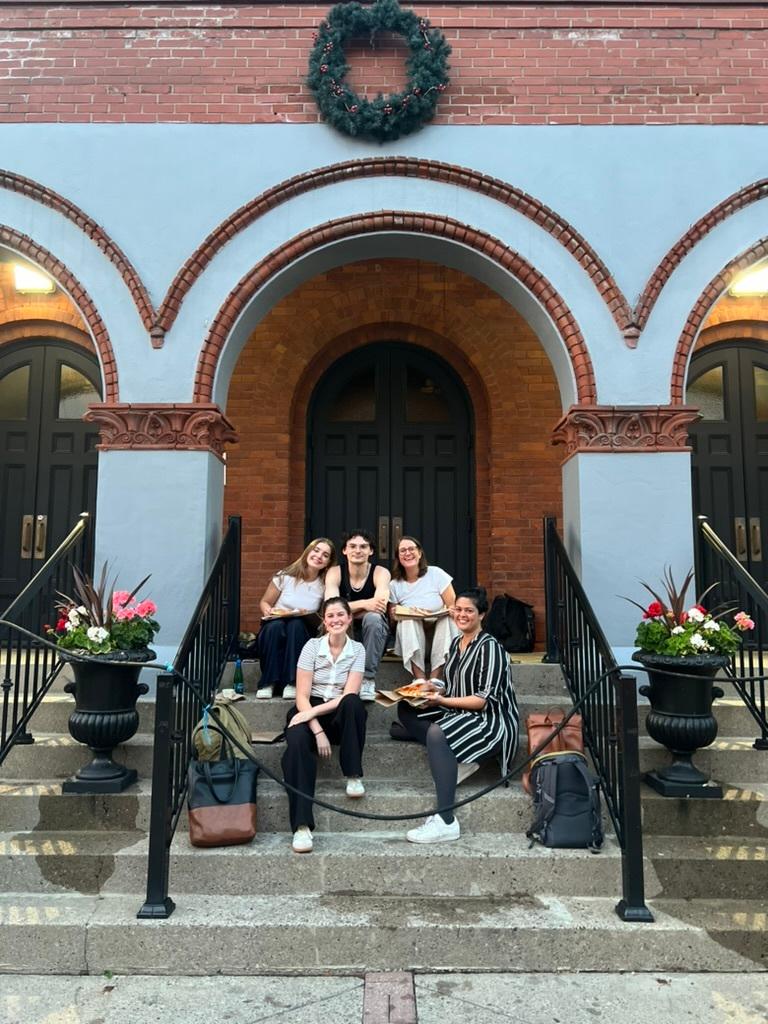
{"x":105,"y":715}
{"x":681,"y":693}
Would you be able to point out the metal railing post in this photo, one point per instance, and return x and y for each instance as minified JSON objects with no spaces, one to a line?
{"x":158,"y":903}
{"x":632,"y":906}
{"x":235,"y":523}
{"x":550,"y":593}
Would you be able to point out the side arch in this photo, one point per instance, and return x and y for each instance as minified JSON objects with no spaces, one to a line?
{"x":397,"y":221}
{"x":698,"y":314}
{"x":26,"y":246}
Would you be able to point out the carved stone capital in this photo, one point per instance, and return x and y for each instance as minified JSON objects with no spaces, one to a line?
{"x":625,"y":428}
{"x":140,"y":426}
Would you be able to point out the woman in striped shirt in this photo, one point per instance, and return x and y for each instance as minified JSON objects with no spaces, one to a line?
{"x":473,"y":718}
{"x":328,"y":710}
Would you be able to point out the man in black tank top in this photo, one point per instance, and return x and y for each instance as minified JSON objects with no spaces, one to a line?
{"x":366,"y":587}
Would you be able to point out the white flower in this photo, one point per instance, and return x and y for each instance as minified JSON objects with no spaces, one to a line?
{"x":73,"y":616}
{"x":712,"y":626}
{"x":97,"y":634}
{"x":698,"y":641}
{"x":695,"y":615}
{"x":82,"y":610}
{"x":677,"y":631}
{"x":69,"y":626}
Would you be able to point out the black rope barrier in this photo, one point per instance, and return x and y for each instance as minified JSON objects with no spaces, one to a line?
{"x":348,"y":812}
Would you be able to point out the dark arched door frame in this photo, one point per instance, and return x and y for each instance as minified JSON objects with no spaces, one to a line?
{"x":390,"y":475}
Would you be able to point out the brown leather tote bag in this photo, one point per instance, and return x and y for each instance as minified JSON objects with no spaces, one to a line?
{"x":539,"y":725}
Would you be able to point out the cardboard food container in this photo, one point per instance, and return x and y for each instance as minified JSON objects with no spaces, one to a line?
{"x":388,"y":699}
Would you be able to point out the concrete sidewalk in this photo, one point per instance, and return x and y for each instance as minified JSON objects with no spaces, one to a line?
{"x":387,"y":999}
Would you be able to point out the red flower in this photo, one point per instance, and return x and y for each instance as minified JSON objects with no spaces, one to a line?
{"x":654,"y":610}
{"x":701,"y":608}
{"x":61,"y":625}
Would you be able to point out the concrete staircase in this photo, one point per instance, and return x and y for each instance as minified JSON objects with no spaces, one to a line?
{"x":73,"y":873}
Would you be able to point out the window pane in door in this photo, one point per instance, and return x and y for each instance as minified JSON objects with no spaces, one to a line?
{"x":356,"y":401}
{"x":760,"y":377}
{"x":424,"y":401}
{"x":14,"y":394}
{"x":706,"y":393}
{"x":76,"y":393}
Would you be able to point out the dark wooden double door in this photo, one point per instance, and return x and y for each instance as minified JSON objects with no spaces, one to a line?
{"x":390,"y":441}
{"x":729,"y":384}
{"x":48,"y":457}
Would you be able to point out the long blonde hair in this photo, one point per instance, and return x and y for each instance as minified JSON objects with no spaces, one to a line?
{"x":298,"y":569}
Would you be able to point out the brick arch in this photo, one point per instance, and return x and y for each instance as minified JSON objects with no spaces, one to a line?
{"x":738,"y":201}
{"x":59,"y":272}
{"x":47,"y":197}
{"x":732,"y":330}
{"x":25,"y":330}
{"x":698,"y":314}
{"x":391,"y":220}
{"x":404,"y":167}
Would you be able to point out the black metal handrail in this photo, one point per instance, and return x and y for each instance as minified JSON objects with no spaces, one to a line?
{"x":576,"y":641}
{"x":203,"y":653}
{"x":27,"y":667}
{"x":749,"y":665}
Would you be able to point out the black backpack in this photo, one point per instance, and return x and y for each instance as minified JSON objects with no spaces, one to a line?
{"x":566,"y":803}
{"x":512,"y":623}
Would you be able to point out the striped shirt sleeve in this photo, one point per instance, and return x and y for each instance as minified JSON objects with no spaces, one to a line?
{"x":492,"y":668}
{"x":308,"y":654}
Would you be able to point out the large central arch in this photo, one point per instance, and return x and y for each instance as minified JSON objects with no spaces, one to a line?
{"x":392,"y":234}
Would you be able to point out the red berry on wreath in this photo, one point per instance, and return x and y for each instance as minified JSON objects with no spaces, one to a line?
{"x":353,"y":109}
{"x":441,"y":87}
{"x":323,"y":68}
{"x":388,"y":109}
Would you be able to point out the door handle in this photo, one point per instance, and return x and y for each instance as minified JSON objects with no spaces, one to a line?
{"x":397,"y":531}
{"x":41,"y":535}
{"x":755,"y":540}
{"x":384,"y":537}
{"x":26,"y":536}
{"x":740,"y":527}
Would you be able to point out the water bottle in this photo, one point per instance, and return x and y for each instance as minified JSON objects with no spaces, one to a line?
{"x":238,"y":683}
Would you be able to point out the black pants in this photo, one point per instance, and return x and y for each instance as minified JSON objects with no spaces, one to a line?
{"x":442,"y":760}
{"x":346,"y":727}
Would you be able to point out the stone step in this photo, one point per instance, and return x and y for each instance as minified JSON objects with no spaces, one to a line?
{"x":58,"y":756}
{"x":246,"y":935}
{"x":25,"y":806}
{"x":378,"y":863}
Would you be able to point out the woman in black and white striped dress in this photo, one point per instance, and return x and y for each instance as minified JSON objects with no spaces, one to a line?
{"x":473,"y":718}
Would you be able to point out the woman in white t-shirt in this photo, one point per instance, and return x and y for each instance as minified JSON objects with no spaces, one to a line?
{"x":289,"y":614}
{"x":328,"y":710}
{"x":419,"y":588}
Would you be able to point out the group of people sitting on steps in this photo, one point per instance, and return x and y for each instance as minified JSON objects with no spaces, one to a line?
{"x":469,"y":714}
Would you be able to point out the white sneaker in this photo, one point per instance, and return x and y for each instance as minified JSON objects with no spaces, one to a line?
{"x":302,"y":840}
{"x":289,"y":693}
{"x":465,"y":770}
{"x":434,"y":830}
{"x":265,"y":692}
{"x":355,"y":789}
{"x":368,"y":690}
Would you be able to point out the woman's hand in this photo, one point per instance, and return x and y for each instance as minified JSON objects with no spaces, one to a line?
{"x":302,"y":716}
{"x":323,"y":745}
{"x":433,"y":697}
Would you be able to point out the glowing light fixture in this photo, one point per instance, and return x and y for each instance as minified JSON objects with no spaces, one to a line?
{"x":752,"y":282}
{"x":28,"y":279}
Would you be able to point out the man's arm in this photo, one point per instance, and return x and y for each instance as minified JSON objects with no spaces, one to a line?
{"x":332,"y":581}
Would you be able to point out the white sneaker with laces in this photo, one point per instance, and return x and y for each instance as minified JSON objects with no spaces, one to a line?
{"x":368,"y":690}
{"x":355,"y":789}
{"x":465,"y":770}
{"x":434,"y":830}
{"x":265,"y":692}
{"x":289,"y":693}
{"x":302,"y":840}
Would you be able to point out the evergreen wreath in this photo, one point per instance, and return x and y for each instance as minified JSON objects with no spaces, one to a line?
{"x":385,"y":117}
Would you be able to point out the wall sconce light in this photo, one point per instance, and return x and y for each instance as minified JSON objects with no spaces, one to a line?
{"x":753,"y":282}
{"x":27,"y":279}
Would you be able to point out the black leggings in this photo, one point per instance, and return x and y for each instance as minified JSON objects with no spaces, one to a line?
{"x":442,"y":760}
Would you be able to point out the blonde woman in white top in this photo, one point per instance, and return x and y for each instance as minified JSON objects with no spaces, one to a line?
{"x":289,"y":609}
{"x":328,"y":710}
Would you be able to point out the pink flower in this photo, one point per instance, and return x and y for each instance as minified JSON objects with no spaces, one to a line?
{"x":743,"y":621}
{"x":125,"y":614}
{"x":146,"y":608}
{"x":120,"y":598}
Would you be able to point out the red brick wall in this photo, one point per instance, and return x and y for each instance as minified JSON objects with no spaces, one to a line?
{"x":497,"y":355}
{"x":34,"y":316}
{"x":542,"y":63}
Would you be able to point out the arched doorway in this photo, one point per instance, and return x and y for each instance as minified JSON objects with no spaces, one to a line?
{"x":48,"y":457}
{"x":728,"y":382}
{"x":390,"y":448}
